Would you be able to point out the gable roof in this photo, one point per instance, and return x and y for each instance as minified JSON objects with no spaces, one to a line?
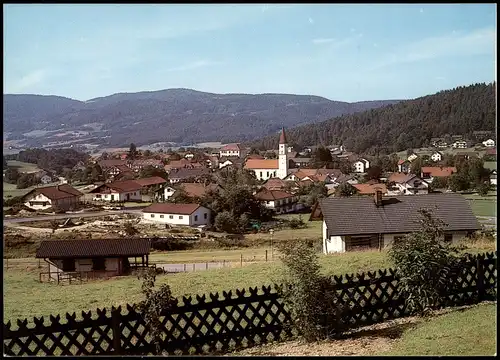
{"x":153,"y":180}
{"x":198,"y":189}
{"x":60,"y":249}
{"x":111,"y":162}
{"x":119,"y":186}
{"x":171,"y":208}
{"x":436,"y":171}
{"x":270,"y":195}
{"x":231,"y":147}
{"x":359,"y":215}
{"x":271,"y":164}
{"x":400,"y":178}
{"x":369,"y":189}
{"x":56,"y":192}
{"x":187,"y":173}
{"x":275,"y":184}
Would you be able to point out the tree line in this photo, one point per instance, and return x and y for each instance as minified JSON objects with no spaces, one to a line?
{"x":408,"y":124}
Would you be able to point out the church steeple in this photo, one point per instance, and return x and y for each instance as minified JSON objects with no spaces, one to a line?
{"x":283,"y":136}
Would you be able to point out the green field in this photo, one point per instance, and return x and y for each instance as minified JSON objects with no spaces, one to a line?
{"x":10,"y":190}
{"x":491,"y":165}
{"x":25,"y":296}
{"x":22,"y":166}
{"x":462,"y":333}
{"x":483,"y":205}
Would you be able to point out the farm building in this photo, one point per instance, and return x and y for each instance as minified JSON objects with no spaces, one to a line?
{"x":64,"y":197}
{"x":73,"y":259}
{"x":178,"y":214}
{"x":351,"y":223}
{"x":280,"y":201}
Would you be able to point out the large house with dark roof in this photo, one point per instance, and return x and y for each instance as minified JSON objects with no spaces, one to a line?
{"x":64,"y":197}
{"x":358,"y":222}
{"x":178,"y":214}
{"x":281,"y":202}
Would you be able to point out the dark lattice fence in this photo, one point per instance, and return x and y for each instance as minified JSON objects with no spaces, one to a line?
{"x":220,"y":323}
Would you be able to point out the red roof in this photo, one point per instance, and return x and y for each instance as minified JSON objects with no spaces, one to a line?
{"x":56,"y":192}
{"x":283,"y":136}
{"x":271,"y":164}
{"x":491,"y":151}
{"x":367,"y":189}
{"x":231,"y":147}
{"x":435,"y":171}
{"x":154,"y":180}
{"x":171,"y":208}
{"x":119,"y":186}
{"x":198,"y":189}
{"x":268,"y":195}
{"x":401,"y":162}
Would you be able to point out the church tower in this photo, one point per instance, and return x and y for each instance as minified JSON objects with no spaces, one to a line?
{"x":282,"y":157}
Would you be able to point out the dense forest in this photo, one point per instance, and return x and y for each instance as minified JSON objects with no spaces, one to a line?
{"x":405,"y":125}
{"x":56,"y":160}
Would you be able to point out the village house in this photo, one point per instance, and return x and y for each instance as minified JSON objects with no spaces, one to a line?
{"x":341,"y":179}
{"x":178,"y":214}
{"x":493,"y":177}
{"x":98,"y":258}
{"x":406,"y":184}
{"x":466,"y":155}
{"x":152,"y":183}
{"x":197,"y":190}
{"x":361,"y":165}
{"x":185,"y":174}
{"x":63,"y":197}
{"x":460,"y":144}
{"x":297,"y":162}
{"x":178,"y":164}
{"x":127,"y":190}
{"x":358,"y":222}
{"x":403,"y":166}
{"x":437,"y":156}
{"x":489,"y":143}
{"x":370,"y":189}
{"x":44,"y":177}
{"x":138,"y":165}
{"x":430,"y":172}
{"x":281,"y":202}
{"x":230,"y":150}
{"x":236,"y":162}
{"x":412,"y":157}
{"x":109,"y":165}
{"x":279,"y":184}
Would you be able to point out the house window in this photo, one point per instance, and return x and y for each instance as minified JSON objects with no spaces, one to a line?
{"x":162,"y":216}
{"x":171,"y":216}
{"x":267,"y":173}
{"x":261,"y":174}
{"x":205,"y":216}
{"x":98,"y":264}
{"x":98,"y":196}
{"x":68,"y":265}
{"x":448,"y":238}
{"x":196,"y":218}
{"x":152,"y":215}
{"x":181,"y":217}
{"x":268,"y":202}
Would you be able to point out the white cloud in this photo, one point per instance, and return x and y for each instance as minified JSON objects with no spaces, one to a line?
{"x":29,"y":80}
{"x":477,"y":42}
{"x":323,"y":40}
{"x":421,"y":10}
{"x":311,"y":20}
{"x":195,"y":65}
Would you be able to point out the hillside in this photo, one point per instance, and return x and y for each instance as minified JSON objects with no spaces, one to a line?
{"x":407,"y":124}
{"x":175,"y":115}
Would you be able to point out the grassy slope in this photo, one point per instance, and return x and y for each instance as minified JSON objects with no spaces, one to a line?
{"x":463,"y":333}
{"x":24,"y":296}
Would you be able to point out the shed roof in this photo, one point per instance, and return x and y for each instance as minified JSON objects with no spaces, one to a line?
{"x":60,"y":249}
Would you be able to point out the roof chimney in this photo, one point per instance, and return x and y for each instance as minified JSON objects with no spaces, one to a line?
{"x":378,"y":197}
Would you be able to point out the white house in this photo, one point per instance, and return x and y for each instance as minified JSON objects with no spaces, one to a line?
{"x":361,"y":165}
{"x":360,"y":222}
{"x":489,"y":143}
{"x":230,"y":150}
{"x":168,"y":192}
{"x":412,"y":157}
{"x":64,"y":197}
{"x":493,"y":177}
{"x":280,"y":201}
{"x":403,"y":166}
{"x":436,"y":156}
{"x":127,"y":190}
{"x":460,"y":144}
{"x":265,"y":169}
{"x":177,"y":214}
{"x":407,"y":184}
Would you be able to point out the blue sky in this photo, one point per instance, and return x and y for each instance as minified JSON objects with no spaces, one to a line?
{"x":341,"y":52}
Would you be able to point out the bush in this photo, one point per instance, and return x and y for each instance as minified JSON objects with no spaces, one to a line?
{"x":130,"y":229}
{"x":423,"y":261}
{"x":483,"y":189}
{"x":16,"y":200}
{"x":315,"y":308}
{"x":296,"y":223}
{"x":225,"y":222}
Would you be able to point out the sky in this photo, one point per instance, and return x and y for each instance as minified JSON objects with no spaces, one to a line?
{"x":342,"y":52}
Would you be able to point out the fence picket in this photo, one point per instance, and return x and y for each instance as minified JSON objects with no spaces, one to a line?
{"x":232,"y":319}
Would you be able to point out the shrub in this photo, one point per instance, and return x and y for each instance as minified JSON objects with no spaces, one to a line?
{"x":422,"y":261}
{"x":130,"y":229}
{"x":225,"y":222}
{"x":483,"y":189}
{"x":154,"y":303}
{"x":296,"y":223}
{"x":311,"y":298}
{"x":16,"y":200}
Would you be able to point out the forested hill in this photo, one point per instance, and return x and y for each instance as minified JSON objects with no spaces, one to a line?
{"x":407,"y":124}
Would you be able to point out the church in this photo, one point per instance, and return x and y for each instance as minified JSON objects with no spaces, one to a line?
{"x":271,"y":168}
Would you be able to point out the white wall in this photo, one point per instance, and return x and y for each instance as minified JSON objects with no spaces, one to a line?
{"x":168,"y":192}
{"x":335,"y":244}
{"x":266,"y":173}
{"x":133,"y":196}
{"x":196,"y":218}
{"x":228,"y":153}
{"x":39,"y":197}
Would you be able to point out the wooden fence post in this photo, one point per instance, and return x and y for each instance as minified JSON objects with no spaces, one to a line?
{"x":480,"y":278}
{"x":266,"y":255}
{"x":115,"y":326}
{"x":206,"y":265}
{"x":241,"y":260}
